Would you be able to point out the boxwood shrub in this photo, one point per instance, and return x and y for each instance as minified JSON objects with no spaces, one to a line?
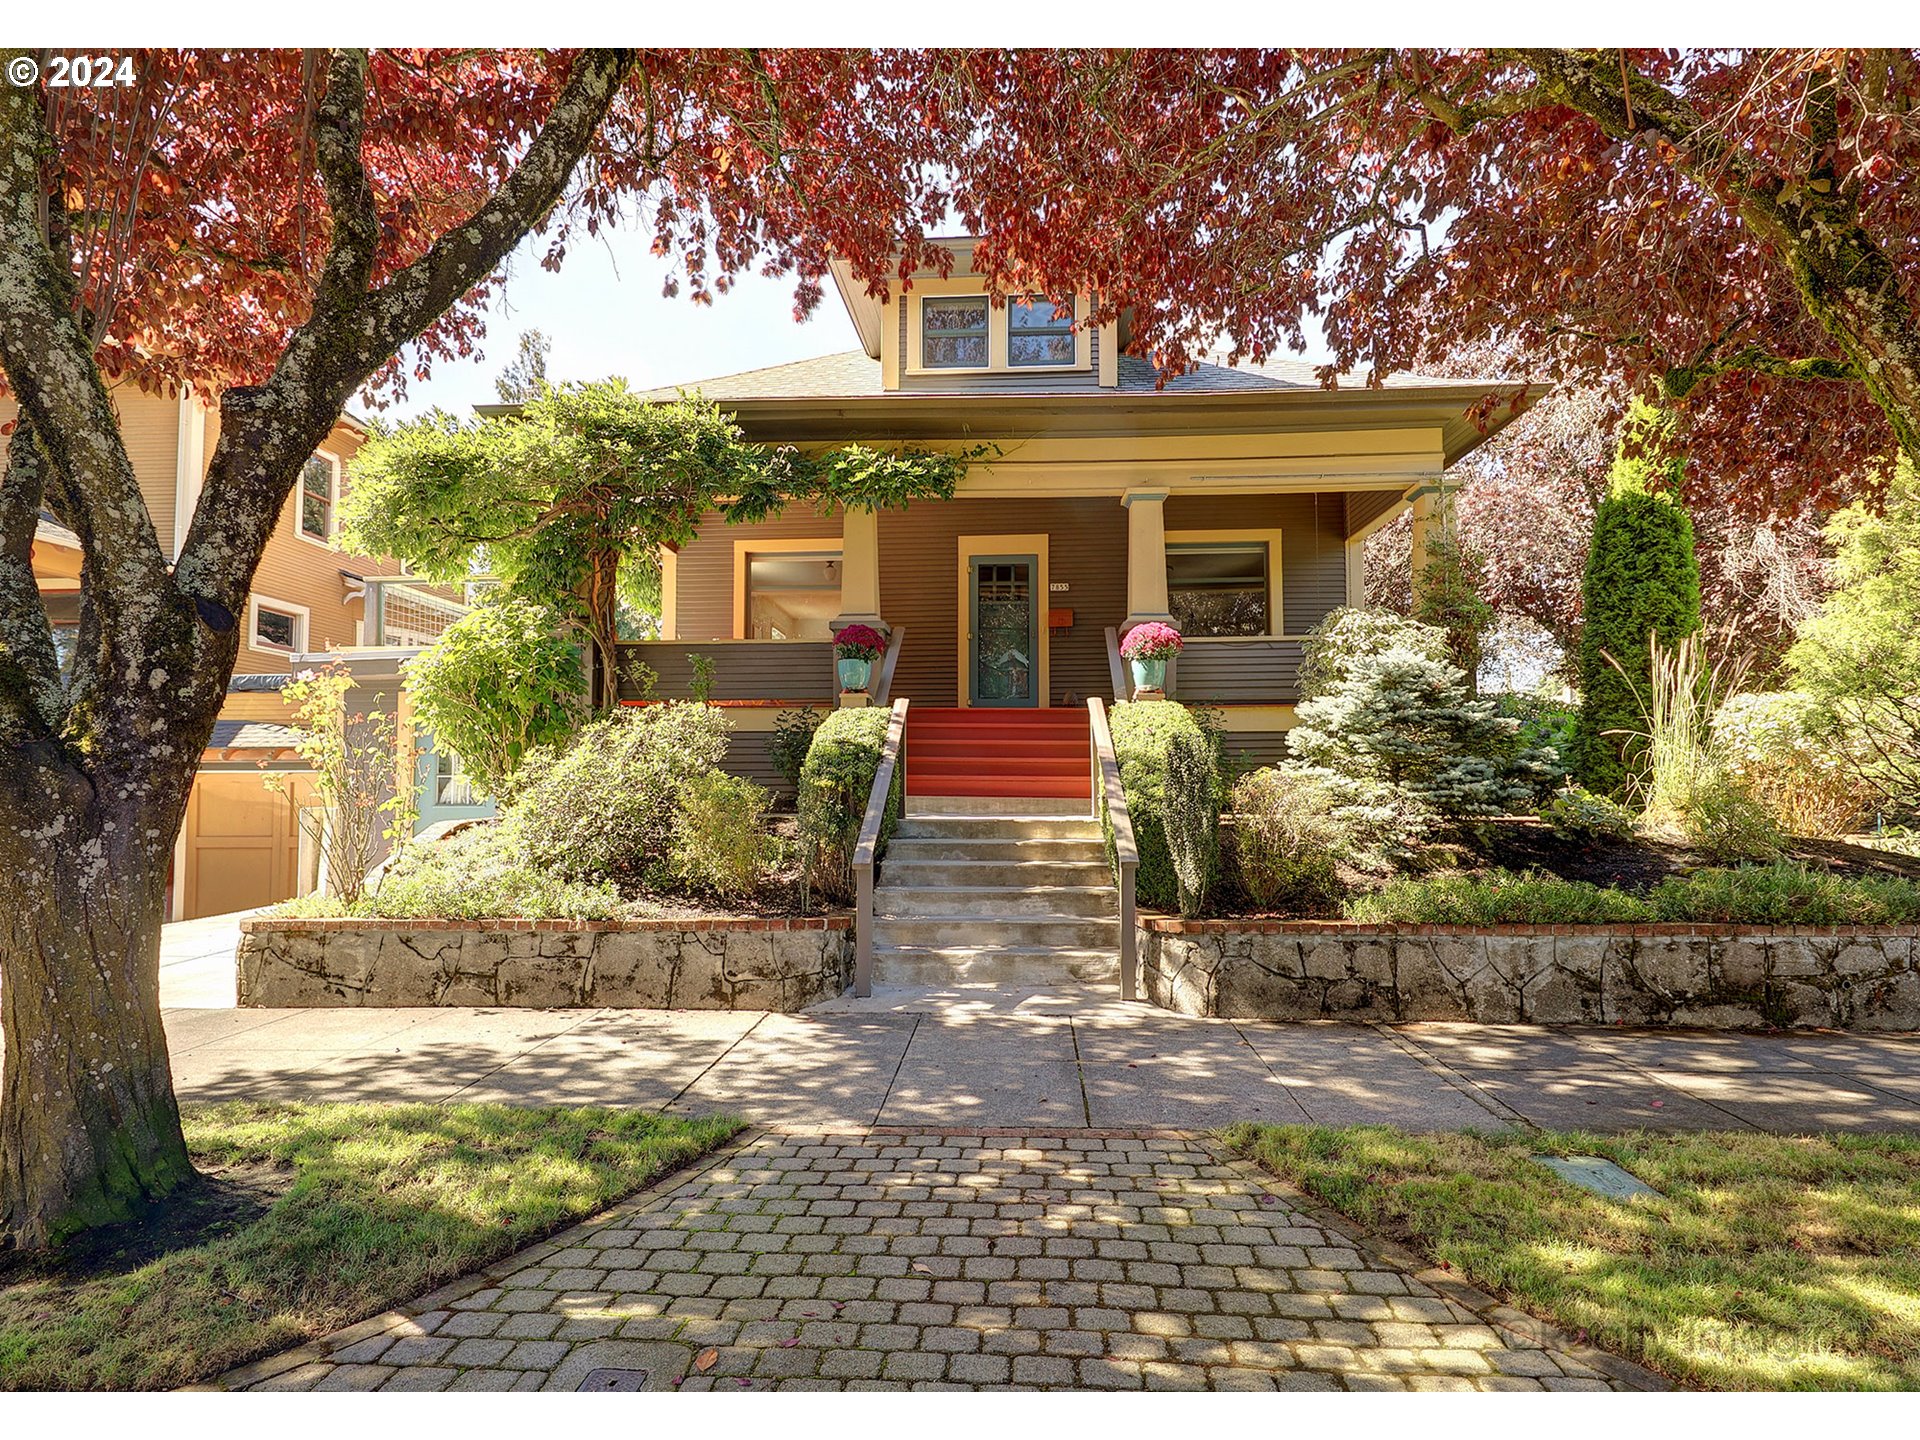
{"x":834,"y":783}
{"x":1143,"y":737}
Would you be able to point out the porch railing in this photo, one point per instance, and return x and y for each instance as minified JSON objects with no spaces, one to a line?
{"x":883,"y":686}
{"x":871,"y":846}
{"x":792,"y":671}
{"x":1110,"y":804}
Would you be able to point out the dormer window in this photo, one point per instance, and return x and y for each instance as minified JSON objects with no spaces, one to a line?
{"x":1039,"y":332}
{"x":953,"y":331}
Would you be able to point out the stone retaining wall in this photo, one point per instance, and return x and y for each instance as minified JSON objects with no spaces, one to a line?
{"x":720,"y":964}
{"x":1726,"y":976}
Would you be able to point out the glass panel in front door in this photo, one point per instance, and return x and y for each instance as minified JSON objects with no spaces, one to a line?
{"x":1003,"y":658}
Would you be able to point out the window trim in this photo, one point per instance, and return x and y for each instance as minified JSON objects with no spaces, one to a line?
{"x":1026,"y":301}
{"x":300,"y":532}
{"x":743,"y":553}
{"x":1276,"y":591}
{"x":998,"y":324}
{"x":299,"y":613}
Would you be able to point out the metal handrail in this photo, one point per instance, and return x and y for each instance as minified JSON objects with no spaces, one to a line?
{"x":1116,"y":668}
{"x":891,"y":659}
{"x":1110,"y":796}
{"x":867,"y":848}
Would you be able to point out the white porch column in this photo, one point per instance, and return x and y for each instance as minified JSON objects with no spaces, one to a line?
{"x":1146,"y":557}
{"x":1427,"y":513}
{"x":859,"y":569}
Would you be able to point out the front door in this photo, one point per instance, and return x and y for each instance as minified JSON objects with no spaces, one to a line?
{"x":1003,"y":641}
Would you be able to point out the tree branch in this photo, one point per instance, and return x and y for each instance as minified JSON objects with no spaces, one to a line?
{"x":30,"y":688}
{"x":1680,"y":381}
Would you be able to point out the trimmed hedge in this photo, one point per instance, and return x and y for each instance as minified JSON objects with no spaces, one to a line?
{"x":1781,"y":894}
{"x":1143,"y":736}
{"x":834,"y":783}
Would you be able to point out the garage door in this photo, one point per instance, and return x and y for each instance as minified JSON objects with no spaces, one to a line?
{"x":242,"y":845}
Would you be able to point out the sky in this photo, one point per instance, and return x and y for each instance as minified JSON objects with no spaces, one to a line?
{"x":605,"y":315}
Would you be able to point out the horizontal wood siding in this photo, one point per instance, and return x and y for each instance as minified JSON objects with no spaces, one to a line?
{"x":1244,"y":750}
{"x":749,"y":755}
{"x":920,"y":586}
{"x":748,"y":670}
{"x":1237,"y":672}
{"x":1313,"y":555}
{"x":1365,"y":505}
{"x":705,"y":566}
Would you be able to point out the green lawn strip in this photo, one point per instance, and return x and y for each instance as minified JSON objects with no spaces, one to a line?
{"x":385,"y":1202}
{"x":1768,"y":1262}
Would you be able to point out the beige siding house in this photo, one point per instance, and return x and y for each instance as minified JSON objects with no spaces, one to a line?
{"x":240,"y":844}
{"x":1231,"y":502}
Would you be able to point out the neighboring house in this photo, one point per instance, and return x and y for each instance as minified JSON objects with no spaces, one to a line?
{"x":240,"y":846}
{"x":1232,"y":502}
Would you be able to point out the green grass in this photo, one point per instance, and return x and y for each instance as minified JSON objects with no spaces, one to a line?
{"x":384,"y":1203}
{"x":1769,"y":1262}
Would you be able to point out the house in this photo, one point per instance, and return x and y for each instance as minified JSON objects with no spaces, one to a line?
{"x":241,"y":843}
{"x":1233,"y":503}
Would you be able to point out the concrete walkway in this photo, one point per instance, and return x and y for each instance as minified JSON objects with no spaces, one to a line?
{"x":940,"y":1261}
{"x":990,"y":1059}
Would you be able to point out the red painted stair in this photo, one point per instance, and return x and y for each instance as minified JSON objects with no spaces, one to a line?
{"x":1000,"y":754}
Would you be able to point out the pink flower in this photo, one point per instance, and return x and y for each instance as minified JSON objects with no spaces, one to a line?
{"x":859,"y":642}
{"x":1152,"y":641}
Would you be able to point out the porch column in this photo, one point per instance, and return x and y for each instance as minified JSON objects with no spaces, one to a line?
{"x":859,"y":569}
{"x":1427,"y":513}
{"x":1146,"y":557}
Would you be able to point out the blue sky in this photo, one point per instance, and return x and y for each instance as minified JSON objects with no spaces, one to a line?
{"x":605,"y":314}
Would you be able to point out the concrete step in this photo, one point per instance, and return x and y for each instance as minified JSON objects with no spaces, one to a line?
{"x":1006,"y":786}
{"x":995,"y":903}
{"x":998,"y":827}
{"x":903,"y":871}
{"x":916,"y":850}
{"x":922,"y":803}
{"x":994,"y":965}
{"x":1045,"y":931}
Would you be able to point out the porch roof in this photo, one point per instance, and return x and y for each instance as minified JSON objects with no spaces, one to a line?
{"x":839,"y":397}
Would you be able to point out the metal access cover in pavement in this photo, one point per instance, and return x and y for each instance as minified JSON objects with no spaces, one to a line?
{"x":609,"y":1381}
{"x":1601,"y":1176}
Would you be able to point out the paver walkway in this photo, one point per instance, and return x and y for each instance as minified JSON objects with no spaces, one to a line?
{"x":935,"y":1260}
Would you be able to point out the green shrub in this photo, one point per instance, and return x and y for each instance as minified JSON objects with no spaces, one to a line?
{"x":1786,"y":894}
{"x":1348,"y":634}
{"x":1448,"y":597}
{"x":834,"y":784}
{"x":720,"y":841}
{"x":474,"y":874}
{"x":1284,"y":840}
{"x":1642,"y":581}
{"x":500,"y":681}
{"x":605,"y":806}
{"x":1143,"y":737}
{"x":1501,"y":898}
{"x":1544,"y":725}
{"x":792,"y":738}
{"x":1578,"y":814}
{"x":1192,"y":817}
{"x":1779,"y":749}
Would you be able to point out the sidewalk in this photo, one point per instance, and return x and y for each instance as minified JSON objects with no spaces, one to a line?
{"x":1057,"y":1060}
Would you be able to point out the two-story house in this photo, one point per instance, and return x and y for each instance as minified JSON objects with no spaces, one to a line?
{"x":240,"y":846}
{"x":1231,"y":502}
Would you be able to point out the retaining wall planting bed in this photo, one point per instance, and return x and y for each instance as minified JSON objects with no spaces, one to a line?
{"x":718,"y":964}
{"x":1727,"y":976}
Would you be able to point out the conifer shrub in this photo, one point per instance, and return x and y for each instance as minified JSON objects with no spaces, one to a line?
{"x":835,"y":781}
{"x":1143,"y":739}
{"x":1642,"y":582}
{"x":1192,"y":817}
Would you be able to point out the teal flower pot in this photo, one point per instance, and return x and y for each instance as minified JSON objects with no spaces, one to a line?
{"x":854,"y":673}
{"x":1149,"y":674}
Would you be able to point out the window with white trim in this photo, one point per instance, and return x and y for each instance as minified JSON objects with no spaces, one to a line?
{"x":1039,"y":333}
{"x":319,"y":492}
{"x":278,"y":627}
{"x":1220,"y":588}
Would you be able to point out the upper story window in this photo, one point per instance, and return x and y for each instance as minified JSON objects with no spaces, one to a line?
{"x":953,"y":332}
{"x":277,"y":625}
{"x":1039,"y":332}
{"x":319,"y":492}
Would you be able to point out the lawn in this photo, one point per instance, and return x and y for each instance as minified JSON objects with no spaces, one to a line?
{"x":1769,"y":1262}
{"x":316,"y":1216}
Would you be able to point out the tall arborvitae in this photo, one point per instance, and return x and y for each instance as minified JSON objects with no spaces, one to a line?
{"x":1642,"y":580}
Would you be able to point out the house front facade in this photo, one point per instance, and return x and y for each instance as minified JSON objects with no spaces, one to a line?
{"x":1231,"y":503}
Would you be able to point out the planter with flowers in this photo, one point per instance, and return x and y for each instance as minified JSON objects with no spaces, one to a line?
{"x":1147,"y":649}
{"x":857,"y":647}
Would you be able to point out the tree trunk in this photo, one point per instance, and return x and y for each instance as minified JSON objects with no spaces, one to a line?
{"x":89,"y":1129}
{"x":601,"y":597}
